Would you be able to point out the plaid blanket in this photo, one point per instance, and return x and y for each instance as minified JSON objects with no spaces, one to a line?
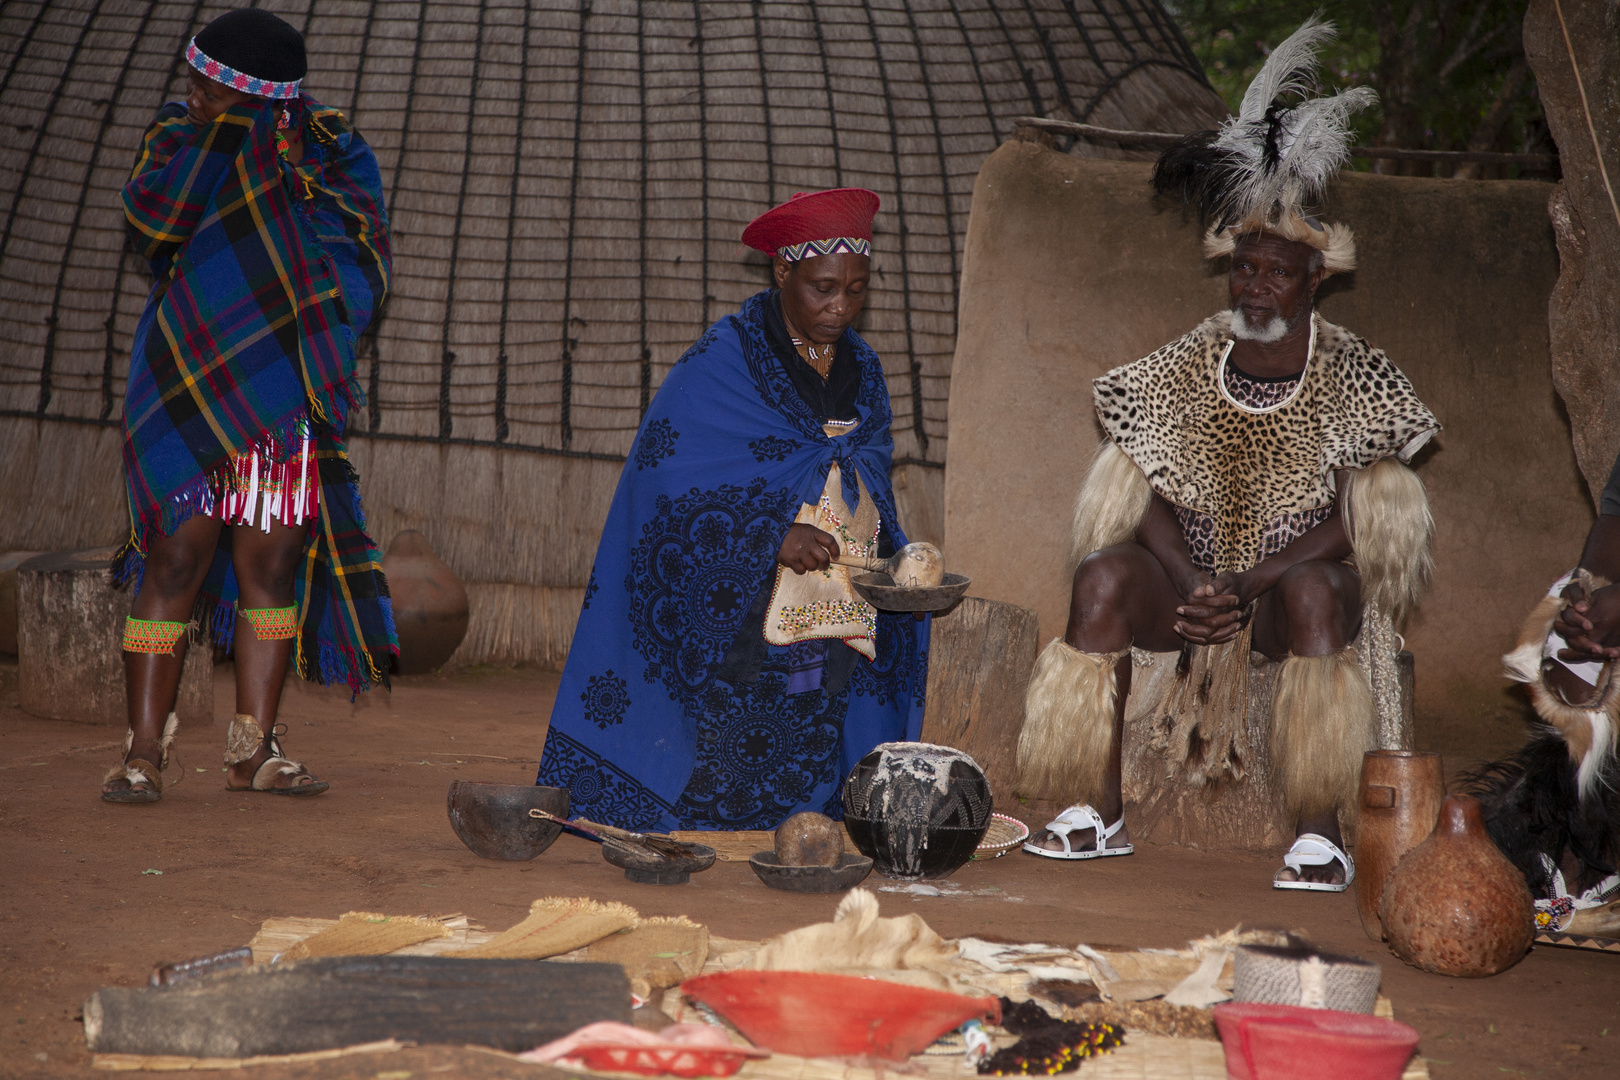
{"x":264,"y":274}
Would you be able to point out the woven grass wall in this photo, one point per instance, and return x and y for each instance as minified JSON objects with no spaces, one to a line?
{"x":566,"y":183}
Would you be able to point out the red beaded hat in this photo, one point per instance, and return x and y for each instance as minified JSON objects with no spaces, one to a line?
{"x":820,"y":223}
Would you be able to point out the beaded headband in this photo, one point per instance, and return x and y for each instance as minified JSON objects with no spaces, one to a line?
{"x":837,"y":245}
{"x":238,"y":80}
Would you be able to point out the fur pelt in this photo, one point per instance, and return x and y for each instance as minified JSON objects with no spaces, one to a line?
{"x":1533,"y":805}
{"x":858,"y":942}
{"x":1112,"y":501}
{"x":1336,"y":242}
{"x":1068,"y":724}
{"x":1386,"y":513}
{"x":1588,"y":732}
{"x":1322,"y":723}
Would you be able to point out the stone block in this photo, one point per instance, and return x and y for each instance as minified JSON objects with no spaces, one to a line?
{"x":70,"y":661}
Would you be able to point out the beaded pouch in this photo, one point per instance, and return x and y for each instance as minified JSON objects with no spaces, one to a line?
{"x":822,"y":603}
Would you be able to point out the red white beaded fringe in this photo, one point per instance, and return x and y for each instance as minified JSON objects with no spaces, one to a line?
{"x":264,"y":491}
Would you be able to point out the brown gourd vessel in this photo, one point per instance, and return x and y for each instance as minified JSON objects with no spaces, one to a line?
{"x":1401,"y":791}
{"x":1455,"y":905}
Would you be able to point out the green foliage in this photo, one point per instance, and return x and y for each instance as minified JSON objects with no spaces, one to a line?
{"x":1450,"y":74}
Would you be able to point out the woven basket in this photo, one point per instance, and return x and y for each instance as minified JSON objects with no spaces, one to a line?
{"x":1003,"y":835}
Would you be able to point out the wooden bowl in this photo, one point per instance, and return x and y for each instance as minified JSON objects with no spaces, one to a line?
{"x":493,"y":819}
{"x":850,"y":872}
{"x":881,"y":592}
{"x":646,"y":868}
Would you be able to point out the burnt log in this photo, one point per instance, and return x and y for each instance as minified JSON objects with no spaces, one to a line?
{"x":325,"y":1004}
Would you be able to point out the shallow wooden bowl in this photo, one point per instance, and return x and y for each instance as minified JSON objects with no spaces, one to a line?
{"x":850,"y":872}
{"x":881,"y":592}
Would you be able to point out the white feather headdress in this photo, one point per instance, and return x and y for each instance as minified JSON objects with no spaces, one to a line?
{"x":1264,"y":168}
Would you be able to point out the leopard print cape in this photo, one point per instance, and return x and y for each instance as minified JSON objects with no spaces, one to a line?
{"x":1246,"y":469}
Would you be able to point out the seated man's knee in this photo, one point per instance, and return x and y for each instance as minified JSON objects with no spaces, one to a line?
{"x":1321,"y":595}
{"x":1103,"y":578}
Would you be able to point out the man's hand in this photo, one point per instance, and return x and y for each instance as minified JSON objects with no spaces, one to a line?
{"x":1213,"y":613}
{"x":806,"y":547}
{"x":1590,"y":624}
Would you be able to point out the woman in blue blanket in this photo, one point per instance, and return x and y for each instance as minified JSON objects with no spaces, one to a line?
{"x":724,"y":674}
{"x":261,"y":213}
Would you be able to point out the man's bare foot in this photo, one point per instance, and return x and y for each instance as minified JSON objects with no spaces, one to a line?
{"x":1311,"y":836}
{"x":1081,"y":824}
{"x":1079,"y":839}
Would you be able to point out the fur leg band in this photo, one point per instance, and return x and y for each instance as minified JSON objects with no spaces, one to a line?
{"x":242,"y":739}
{"x":1068,"y":724}
{"x":272,"y":624}
{"x":1322,"y":723}
{"x":154,"y":637}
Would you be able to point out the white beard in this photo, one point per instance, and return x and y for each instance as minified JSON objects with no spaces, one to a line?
{"x":1272,"y":331}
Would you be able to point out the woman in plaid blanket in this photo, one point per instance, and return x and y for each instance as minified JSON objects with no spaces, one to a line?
{"x":261,"y":213}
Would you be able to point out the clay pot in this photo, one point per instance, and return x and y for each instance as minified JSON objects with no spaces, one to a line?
{"x":917,"y":810}
{"x":430,"y":603}
{"x":1455,"y":905}
{"x":1401,"y":792}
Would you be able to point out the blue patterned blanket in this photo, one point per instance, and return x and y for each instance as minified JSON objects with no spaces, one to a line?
{"x":646,"y":733}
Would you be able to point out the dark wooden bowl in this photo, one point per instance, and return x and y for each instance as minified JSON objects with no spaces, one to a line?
{"x":881,"y":592}
{"x":493,"y":819}
{"x":850,"y":872}
{"x":646,"y":868}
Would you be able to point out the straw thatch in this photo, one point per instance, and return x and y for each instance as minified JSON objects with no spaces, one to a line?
{"x":567,"y":182}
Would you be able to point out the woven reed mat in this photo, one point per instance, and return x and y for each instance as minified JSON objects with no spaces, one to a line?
{"x":278,"y":936}
{"x":175,"y":1063}
{"x":366,"y":933}
{"x":734,"y":846}
{"x":655,"y":953}
{"x":556,"y":924}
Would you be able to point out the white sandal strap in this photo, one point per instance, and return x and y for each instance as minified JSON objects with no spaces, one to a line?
{"x":1083,"y":817}
{"x":1312,"y":849}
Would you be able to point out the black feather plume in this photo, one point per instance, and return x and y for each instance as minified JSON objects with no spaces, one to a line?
{"x":1199,"y":173}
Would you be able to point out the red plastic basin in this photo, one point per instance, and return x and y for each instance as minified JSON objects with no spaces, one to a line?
{"x":1281,"y":1042}
{"x":812,"y":1015}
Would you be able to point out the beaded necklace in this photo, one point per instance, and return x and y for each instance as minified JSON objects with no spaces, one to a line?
{"x":821,"y":361}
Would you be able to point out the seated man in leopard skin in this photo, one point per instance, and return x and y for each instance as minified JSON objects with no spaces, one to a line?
{"x":1251,"y":494}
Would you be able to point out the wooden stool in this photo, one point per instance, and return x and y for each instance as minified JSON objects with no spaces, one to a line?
{"x":70,"y":658}
{"x":1166,"y":809}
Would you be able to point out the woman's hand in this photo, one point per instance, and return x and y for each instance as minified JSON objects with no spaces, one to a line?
{"x":1213,"y":613}
{"x":1590,"y":624}
{"x":806,"y":547}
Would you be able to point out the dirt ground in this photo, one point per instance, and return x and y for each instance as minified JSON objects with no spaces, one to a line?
{"x":95,"y":895}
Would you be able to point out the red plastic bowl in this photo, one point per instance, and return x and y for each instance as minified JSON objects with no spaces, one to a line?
{"x":813,"y":1015}
{"x":1280,"y":1042}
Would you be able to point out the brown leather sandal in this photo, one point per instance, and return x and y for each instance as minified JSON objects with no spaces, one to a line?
{"x":243,"y":739}
{"x":137,"y":780}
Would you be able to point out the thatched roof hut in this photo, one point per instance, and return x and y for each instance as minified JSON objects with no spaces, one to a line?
{"x":567,"y":181}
